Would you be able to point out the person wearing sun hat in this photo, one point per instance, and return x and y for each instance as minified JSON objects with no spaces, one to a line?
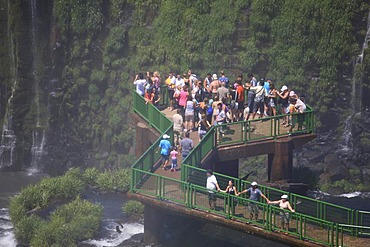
{"x":284,"y":101}
{"x":284,"y":215}
{"x":255,"y":195}
{"x":165,"y":148}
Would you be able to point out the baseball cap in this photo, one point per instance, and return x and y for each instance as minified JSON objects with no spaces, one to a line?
{"x":254,"y":183}
{"x":291,"y":93}
{"x":284,"y":197}
{"x":284,"y":88}
{"x":165,"y":136}
{"x":214,"y":76}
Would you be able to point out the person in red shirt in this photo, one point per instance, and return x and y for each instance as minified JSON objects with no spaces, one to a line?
{"x":240,"y":100}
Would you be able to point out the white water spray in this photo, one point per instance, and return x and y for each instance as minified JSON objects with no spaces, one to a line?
{"x":38,"y":133}
{"x":356,"y":94}
{"x":8,"y":138}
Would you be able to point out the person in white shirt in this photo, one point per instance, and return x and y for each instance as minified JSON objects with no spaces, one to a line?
{"x":212,"y":185}
{"x":179,"y":81}
{"x":140,"y":82}
{"x":259,"y":100}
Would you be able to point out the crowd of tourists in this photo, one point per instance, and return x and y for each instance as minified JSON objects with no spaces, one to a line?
{"x":216,"y":100}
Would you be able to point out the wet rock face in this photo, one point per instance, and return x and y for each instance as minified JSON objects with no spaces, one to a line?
{"x":334,"y":169}
{"x":361,"y":137}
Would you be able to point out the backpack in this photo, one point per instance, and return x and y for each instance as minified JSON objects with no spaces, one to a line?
{"x":209,"y":110}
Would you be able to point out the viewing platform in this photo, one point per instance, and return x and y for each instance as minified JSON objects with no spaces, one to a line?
{"x":315,"y":223}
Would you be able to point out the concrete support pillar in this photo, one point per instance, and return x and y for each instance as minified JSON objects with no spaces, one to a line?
{"x":282,"y":160}
{"x":153,"y":224}
{"x":229,"y":167}
{"x":145,"y":137}
{"x":270,"y":159}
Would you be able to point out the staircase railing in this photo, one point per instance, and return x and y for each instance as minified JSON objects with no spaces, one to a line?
{"x":337,"y":221}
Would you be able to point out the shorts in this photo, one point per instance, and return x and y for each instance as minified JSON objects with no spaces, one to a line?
{"x":240,"y":105}
{"x":189,"y":117}
{"x":271,"y":103}
{"x":284,"y":217}
{"x":211,"y":197}
{"x":251,"y":96}
{"x":253,"y":208}
{"x":259,"y":106}
{"x":184,"y":155}
{"x":165,"y":157}
{"x":300,"y":118}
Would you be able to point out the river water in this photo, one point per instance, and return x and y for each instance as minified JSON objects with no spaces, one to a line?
{"x":12,"y":182}
{"x":204,"y":235}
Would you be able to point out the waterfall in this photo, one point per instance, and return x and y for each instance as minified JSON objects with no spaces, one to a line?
{"x":356,"y":94}
{"x":8,"y":138}
{"x":38,"y":133}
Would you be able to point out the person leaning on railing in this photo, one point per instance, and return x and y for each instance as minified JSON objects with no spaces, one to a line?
{"x":284,"y":215}
{"x":297,"y":108}
{"x":255,"y":195}
{"x":212,"y":185}
{"x":231,"y":190}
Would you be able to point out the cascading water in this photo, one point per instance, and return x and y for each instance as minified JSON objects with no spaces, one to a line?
{"x":8,"y":138}
{"x":38,"y":134}
{"x":356,"y":94}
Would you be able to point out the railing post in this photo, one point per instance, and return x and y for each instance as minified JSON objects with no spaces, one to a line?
{"x":228,"y":206}
{"x":332,"y":235}
{"x":159,"y":188}
{"x":132,"y":182}
{"x":300,"y":227}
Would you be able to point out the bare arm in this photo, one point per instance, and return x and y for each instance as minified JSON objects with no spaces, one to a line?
{"x":217,"y":186}
{"x":290,"y":208}
{"x":236,"y":191}
{"x":225,"y":191}
{"x":242,"y":192}
{"x":267,"y":200}
{"x":273,"y":202}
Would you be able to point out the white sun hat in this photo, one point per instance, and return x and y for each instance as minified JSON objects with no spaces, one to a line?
{"x":284,"y":88}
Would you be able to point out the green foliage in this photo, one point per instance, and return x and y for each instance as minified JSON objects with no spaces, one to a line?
{"x":346,"y":186}
{"x":133,"y":208}
{"x":117,"y":180}
{"x":90,"y":175}
{"x":26,"y":227}
{"x":69,"y":224}
{"x":79,"y":16}
{"x":115,"y":41}
{"x":309,"y":46}
{"x":40,"y":196}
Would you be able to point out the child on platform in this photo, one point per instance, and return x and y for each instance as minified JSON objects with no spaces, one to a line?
{"x":174,"y":155}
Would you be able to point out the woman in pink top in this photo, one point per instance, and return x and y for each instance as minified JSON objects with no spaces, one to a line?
{"x":183,"y":97}
{"x":174,"y":155}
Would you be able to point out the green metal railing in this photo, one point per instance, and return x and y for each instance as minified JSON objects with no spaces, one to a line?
{"x":308,"y":206}
{"x":157,"y":120}
{"x":194,"y":196}
{"x":340,"y":224}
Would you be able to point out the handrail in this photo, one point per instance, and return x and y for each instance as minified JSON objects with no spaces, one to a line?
{"x":193,"y":196}
{"x":141,"y":170}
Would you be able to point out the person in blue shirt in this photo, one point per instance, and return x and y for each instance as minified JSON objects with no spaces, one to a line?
{"x":165,"y":148}
{"x":255,"y":195}
{"x":224,"y":79}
